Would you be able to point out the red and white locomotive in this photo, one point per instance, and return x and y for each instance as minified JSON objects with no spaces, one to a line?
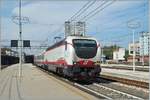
{"x":77,"y":57}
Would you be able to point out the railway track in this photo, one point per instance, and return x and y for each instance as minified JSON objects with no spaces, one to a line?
{"x":127,"y":68}
{"x":136,"y":83}
{"x":110,"y":93}
{"x":100,"y":91}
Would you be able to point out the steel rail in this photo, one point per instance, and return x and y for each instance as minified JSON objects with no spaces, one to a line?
{"x":118,"y":92}
{"x":127,"y":68}
{"x":136,"y":83}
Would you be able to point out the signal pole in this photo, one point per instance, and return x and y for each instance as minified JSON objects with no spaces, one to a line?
{"x":20,"y":39}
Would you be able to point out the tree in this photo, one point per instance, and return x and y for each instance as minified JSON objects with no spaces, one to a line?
{"x":108,"y":51}
{"x":3,"y":51}
{"x":126,"y":54}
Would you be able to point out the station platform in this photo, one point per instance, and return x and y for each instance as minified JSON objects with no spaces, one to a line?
{"x":34,"y":84}
{"x":127,"y":74}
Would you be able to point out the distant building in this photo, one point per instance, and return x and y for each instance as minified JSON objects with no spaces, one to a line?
{"x":68,"y":28}
{"x":130,"y":59}
{"x":80,"y":28}
{"x":144,"y":43}
{"x":137,"y":48}
{"x":103,"y":58}
{"x":74,"y":28}
{"x":119,"y":54}
{"x":144,"y":46}
{"x":9,"y":56}
{"x":9,"y":52}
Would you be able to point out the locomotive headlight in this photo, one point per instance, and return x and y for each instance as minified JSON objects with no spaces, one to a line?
{"x":74,"y":63}
{"x":90,"y":73}
{"x":97,"y":63}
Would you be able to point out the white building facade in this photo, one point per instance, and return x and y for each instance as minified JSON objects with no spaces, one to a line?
{"x":144,"y":44}
{"x":119,"y":54}
{"x":137,"y":48}
{"x":75,"y":28}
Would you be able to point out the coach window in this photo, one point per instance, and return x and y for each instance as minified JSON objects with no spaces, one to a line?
{"x":65,"y":45}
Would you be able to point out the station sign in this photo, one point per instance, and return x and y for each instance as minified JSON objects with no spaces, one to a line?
{"x":14,"y":43}
{"x":26,"y":43}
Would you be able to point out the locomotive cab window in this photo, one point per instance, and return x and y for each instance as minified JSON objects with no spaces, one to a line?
{"x":85,"y":48}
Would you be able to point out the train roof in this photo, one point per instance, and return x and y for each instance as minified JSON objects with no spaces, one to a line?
{"x":80,"y":37}
{"x":68,"y":37}
{"x":55,"y":44}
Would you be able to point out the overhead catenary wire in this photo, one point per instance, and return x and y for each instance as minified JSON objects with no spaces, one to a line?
{"x":79,"y":10}
{"x":85,"y":8}
{"x":77,"y":14}
{"x":45,"y":42}
{"x":87,"y":5}
{"x":82,"y":10}
{"x":97,"y":10}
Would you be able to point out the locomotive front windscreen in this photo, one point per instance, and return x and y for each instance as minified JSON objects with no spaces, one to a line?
{"x":85,"y":48}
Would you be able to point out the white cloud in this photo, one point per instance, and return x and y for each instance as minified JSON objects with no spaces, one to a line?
{"x":44,"y":13}
{"x":113,"y":14}
{"x":46,"y":17}
{"x":8,"y":28}
{"x":49,"y":12}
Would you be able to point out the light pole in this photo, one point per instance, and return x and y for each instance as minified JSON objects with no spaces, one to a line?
{"x":20,"y":39}
{"x":133,"y":24}
{"x":149,"y":39}
{"x":0,"y":39}
{"x":0,"y":48}
{"x":133,"y":32}
{"x":20,"y":20}
{"x":149,"y":48}
{"x":142,"y":49}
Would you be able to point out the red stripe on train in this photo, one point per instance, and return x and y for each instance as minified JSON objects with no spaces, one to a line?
{"x":81,"y":63}
{"x":85,"y":63}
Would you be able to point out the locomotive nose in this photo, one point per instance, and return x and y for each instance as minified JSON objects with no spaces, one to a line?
{"x":84,"y":74}
{"x":84,"y":63}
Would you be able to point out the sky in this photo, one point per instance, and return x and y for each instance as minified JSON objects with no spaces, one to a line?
{"x":46,"y":19}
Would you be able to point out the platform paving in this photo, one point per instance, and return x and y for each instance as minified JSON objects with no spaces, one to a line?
{"x":128,"y":74}
{"x":36,"y":85}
